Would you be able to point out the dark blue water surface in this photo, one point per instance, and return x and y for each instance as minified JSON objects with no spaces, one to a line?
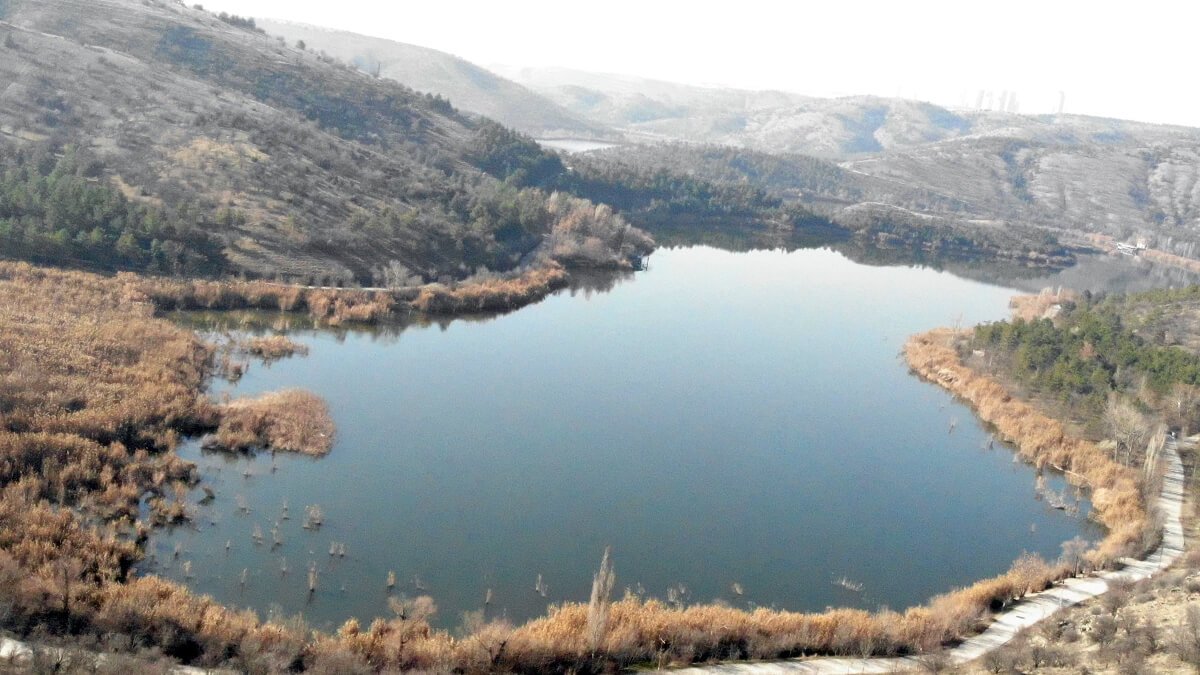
{"x":723,"y":417}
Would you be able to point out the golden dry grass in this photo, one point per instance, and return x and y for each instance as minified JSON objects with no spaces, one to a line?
{"x":328,"y":306}
{"x":1031,"y":307}
{"x":273,"y":347}
{"x":334,"y":306}
{"x":492,"y":295}
{"x":291,"y":420}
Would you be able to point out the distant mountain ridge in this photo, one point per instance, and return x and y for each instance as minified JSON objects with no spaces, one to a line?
{"x":468,"y":86}
{"x":774,"y":121}
{"x":1064,"y":172}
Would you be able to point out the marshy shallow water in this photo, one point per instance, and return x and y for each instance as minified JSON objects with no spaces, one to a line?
{"x":723,"y":418}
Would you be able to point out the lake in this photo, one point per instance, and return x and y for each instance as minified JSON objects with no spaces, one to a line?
{"x":720,"y":418}
{"x":574,"y":145}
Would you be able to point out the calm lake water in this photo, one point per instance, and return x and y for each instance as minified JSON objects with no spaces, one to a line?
{"x":574,"y":145}
{"x":720,"y":418}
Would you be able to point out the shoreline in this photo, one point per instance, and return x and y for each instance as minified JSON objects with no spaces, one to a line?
{"x":1006,"y":625}
{"x":365,"y":306}
{"x":1001,"y":626}
{"x":932,"y":359}
{"x":985,"y":595}
{"x":1038,"y":439}
{"x":638,"y":632}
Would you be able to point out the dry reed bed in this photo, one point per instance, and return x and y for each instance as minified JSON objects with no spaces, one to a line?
{"x":494,"y":295}
{"x":336,"y":306}
{"x":292,"y":420}
{"x":642,"y":631}
{"x":94,"y":394}
{"x":1165,"y":258}
{"x":326,"y":305}
{"x":273,"y":347}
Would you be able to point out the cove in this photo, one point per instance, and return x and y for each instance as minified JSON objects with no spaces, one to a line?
{"x":722,"y":418}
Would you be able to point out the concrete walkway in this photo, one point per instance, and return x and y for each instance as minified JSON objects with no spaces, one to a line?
{"x":1007,"y":624}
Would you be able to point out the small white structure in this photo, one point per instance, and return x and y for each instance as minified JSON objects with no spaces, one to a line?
{"x":1131,"y":249}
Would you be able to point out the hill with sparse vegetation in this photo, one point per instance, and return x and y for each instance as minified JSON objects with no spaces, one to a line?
{"x":470,"y":87}
{"x":1070,"y":173}
{"x":164,"y":139}
{"x":156,"y":137}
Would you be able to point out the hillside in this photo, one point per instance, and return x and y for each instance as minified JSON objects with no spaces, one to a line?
{"x":1140,"y":183}
{"x":880,"y":213}
{"x":150,"y":136}
{"x":159,"y":138}
{"x":990,"y":169}
{"x":769,"y":121}
{"x":783,"y":122}
{"x":467,"y":85}
{"x":163,"y":139}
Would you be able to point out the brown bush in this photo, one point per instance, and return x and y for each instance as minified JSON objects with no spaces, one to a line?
{"x":336,"y":306}
{"x":493,"y":295}
{"x":291,"y":420}
{"x":330,"y":306}
{"x":584,"y":234}
{"x":94,"y":392}
{"x":274,"y":347}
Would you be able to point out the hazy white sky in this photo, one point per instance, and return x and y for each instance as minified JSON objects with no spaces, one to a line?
{"x":1129,"y":60}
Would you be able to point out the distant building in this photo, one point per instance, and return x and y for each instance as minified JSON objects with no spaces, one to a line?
{"x":1131,"y":249}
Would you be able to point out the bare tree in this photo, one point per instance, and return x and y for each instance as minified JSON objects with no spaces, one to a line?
{"x":420,"y":608}
{"x":395,"y":275}
{"x":1074,"y":552}
{"x":1185,"y":398}
{"x":1150,"y":473}
{"x":1128,"y":426}
{"x":601,"y":601}
{"x":1185,"y":642}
